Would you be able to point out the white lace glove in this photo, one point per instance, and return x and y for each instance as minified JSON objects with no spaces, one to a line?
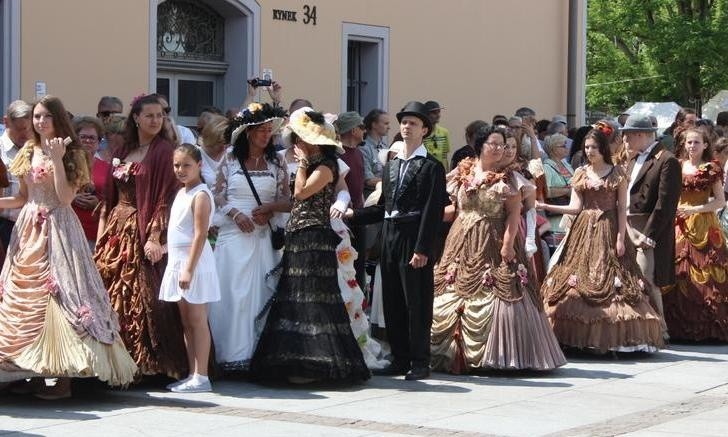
{"x":342,"y":201}
{"x":531,"y":232}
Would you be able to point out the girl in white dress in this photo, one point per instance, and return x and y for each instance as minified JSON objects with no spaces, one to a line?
{"x":191,"y":277}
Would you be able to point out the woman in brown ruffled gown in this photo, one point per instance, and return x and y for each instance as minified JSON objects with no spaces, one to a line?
{"x":697,"y":307}
{"x":487,"y":310}
{"x":130,"y":251}
{"x":55,"y":316}
{"x":595,"y":295}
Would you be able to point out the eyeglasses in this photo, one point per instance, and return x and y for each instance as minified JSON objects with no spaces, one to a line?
{"x":496,"y":145}
{"x":106,"y":114}
{"x":88,"y":138}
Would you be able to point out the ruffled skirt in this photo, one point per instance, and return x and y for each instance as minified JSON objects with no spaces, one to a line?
{"x":55,"y":317}
{"x":307,"y":332}
{"x":697,"y":307}
{"x":596,"y":300}
{"x":487,"y":314}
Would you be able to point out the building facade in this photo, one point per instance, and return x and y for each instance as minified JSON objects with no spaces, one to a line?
{"x":476,"y":57}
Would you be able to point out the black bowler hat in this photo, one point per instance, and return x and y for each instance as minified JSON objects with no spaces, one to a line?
{"x":419,"y":110}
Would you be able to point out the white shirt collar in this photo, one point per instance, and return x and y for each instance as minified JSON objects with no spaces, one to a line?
{"x":419,"y":151}
{"x":6,"y":143}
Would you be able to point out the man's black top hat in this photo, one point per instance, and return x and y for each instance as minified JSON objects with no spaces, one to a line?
{"x":418,"y":110}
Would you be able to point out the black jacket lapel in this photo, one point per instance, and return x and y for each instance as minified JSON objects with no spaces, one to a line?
{"x":646,"y":166}
{"x":392,"y":185}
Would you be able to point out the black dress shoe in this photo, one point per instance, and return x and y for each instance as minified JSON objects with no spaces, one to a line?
{"x":417,"y":373}
{"x":393,"y":369}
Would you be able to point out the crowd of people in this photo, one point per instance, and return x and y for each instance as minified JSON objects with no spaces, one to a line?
{"x":262,"y":243}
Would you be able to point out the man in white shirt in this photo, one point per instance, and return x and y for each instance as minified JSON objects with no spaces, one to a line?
{"x":18,"y":130}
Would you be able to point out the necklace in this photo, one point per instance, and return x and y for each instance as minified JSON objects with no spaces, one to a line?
{"x":257,"y":161}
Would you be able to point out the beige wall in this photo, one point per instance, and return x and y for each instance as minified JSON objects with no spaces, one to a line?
{"x":476,"y":57}
{"x":84,"y":49}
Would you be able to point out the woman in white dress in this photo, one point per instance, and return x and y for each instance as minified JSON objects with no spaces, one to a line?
{"x":244,"y":254}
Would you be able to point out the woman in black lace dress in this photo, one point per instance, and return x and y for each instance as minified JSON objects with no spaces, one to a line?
{"x":307,"y":336}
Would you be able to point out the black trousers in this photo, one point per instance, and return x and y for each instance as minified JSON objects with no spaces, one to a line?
{"x":407,"y":295}
{"x":360,"y":245}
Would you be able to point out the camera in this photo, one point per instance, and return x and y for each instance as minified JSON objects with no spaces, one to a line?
{"x":256,"y":82}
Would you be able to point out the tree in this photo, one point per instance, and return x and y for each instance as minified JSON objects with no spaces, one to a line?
{"x":655,"y":50}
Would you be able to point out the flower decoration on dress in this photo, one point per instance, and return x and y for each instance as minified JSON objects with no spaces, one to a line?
{"x":40,"y":172}
{"x":352,"y":283}
{"x":85,"y":317}
{"x":522,"y":273}
{"x":715,"y":236}
{"x":124,"y":170}
{"x":345,"y":255}
{"x":41,"y":215}
{"x":572,"y":281}
{"x":705,"y":176}
{"x":451,"y":274}
{"x":594,"y":184}
{"x":617,"y":282}
{"x":488,"y":278}
{"x":51,"y":285}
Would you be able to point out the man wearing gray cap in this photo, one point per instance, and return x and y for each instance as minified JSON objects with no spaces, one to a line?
{"x":653,"y":194}
{"x":350,"y":128}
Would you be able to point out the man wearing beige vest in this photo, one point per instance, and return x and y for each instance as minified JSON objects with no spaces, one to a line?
{"x":654,"y":191}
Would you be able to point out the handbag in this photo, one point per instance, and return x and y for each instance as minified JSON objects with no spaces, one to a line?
{"x":277,"y":235}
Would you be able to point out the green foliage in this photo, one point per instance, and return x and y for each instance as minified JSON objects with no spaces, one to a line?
{"x":655,"y":50}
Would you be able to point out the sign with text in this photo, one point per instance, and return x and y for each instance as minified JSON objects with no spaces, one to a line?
{"x":307,"y":15}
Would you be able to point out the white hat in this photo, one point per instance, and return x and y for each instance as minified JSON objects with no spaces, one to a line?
{"x":396,"y":147}
{"x":314,"y":131}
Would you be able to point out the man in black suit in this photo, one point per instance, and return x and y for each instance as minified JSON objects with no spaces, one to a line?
{"x":411,"y":205}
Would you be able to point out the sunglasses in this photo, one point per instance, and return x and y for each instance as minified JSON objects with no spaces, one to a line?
{"x":106,"y":114}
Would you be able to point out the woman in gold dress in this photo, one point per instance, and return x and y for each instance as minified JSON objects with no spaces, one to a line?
{"x":55,"y":316}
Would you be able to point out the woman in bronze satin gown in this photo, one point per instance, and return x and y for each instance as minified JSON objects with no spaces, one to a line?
{"x":130,"y":250}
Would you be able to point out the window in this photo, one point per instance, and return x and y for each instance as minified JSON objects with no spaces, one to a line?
{"x":203,"y":51}
{"x":189,"y":30}
{"x":365,"y":66}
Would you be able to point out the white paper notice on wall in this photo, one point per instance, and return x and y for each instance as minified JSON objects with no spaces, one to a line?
{"x":41,"y":89}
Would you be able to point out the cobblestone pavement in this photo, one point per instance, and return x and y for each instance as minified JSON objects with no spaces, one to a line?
{"x":677,"y":392}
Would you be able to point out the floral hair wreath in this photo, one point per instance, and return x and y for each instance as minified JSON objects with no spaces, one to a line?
{"x":137,"y":98}
{"x":604,"y":127}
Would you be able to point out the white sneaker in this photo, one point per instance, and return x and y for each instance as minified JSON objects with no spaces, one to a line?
{"x":193,"y":386}
{"x":178,"y":383}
